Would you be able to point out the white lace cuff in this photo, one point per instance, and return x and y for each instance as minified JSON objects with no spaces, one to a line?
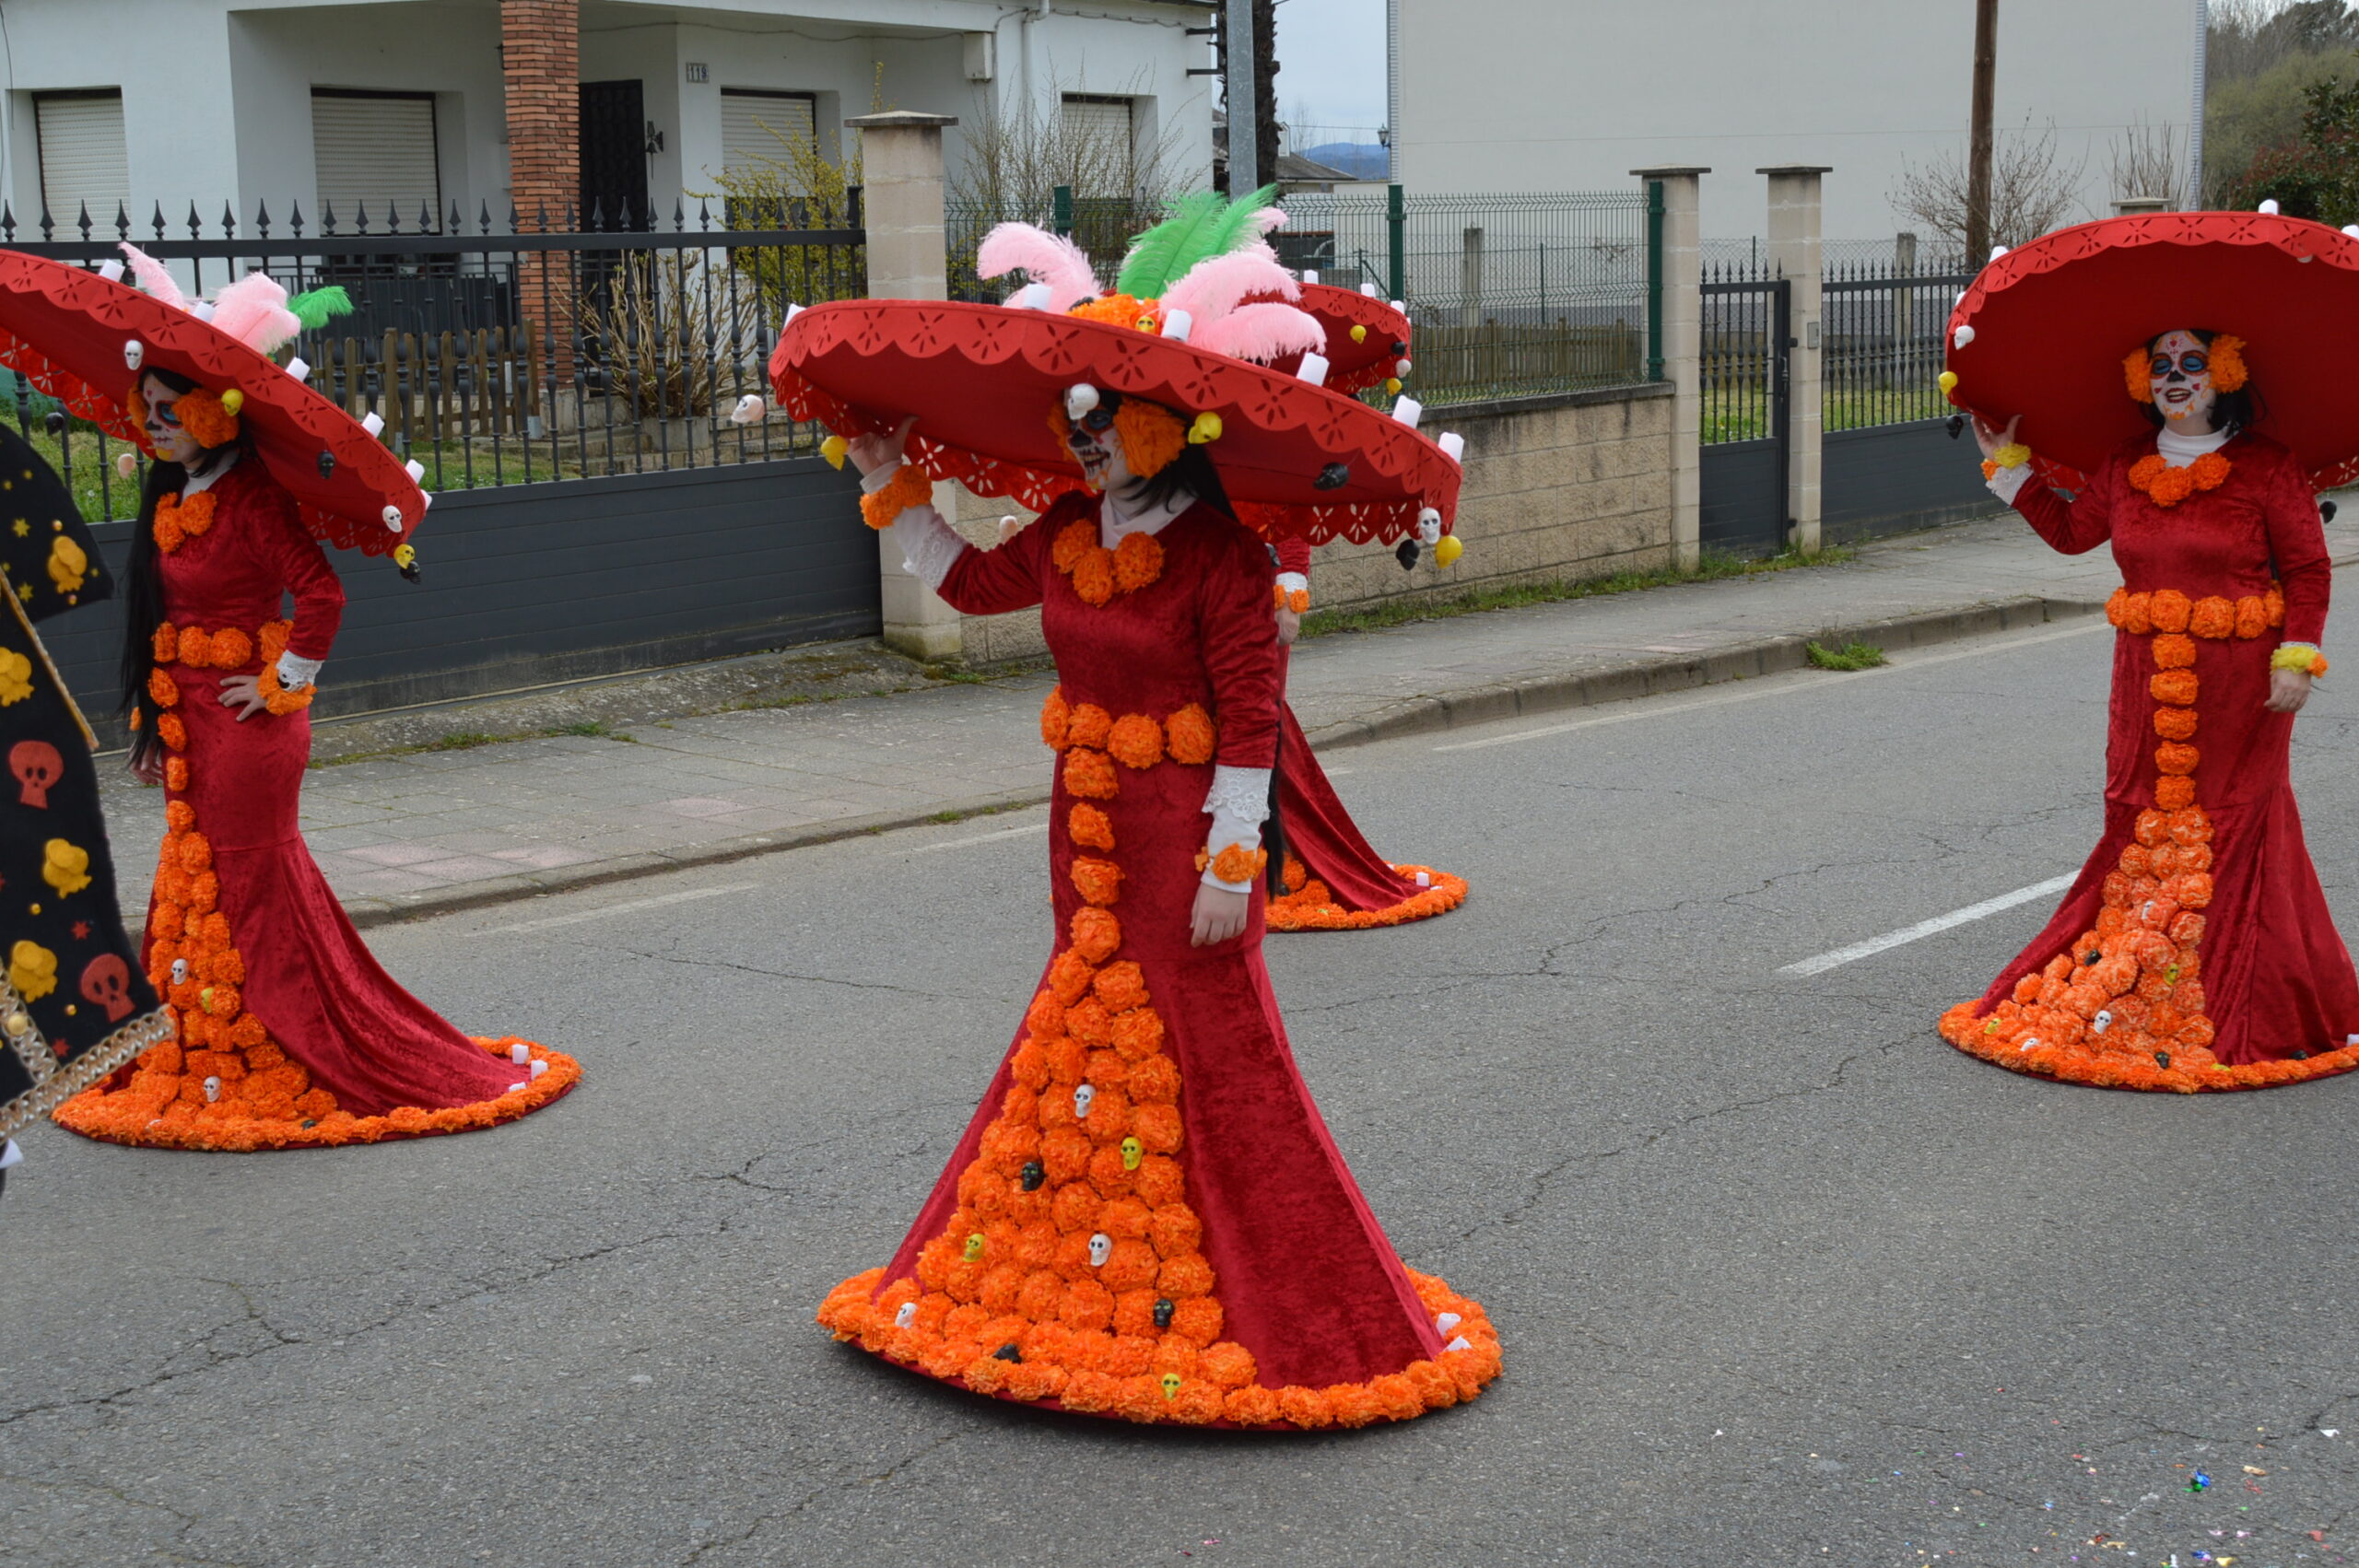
{"x":2008,"y":482}
{"x":929,"y":547}
{"x":1240,"y":803}
{"x":1293,"y":582}
{"x":296,"y":672}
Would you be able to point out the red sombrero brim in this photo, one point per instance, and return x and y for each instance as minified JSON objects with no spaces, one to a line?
{"x":1353,"y":367}
{"x":983,"y":378}
{"x":2054,"y":319}
{"x":65,"y":328}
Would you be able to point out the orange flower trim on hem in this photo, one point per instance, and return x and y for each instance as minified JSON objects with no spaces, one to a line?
{"x":2168,"y":486}
{"x":908,"y":487}
{"x":1308,"y":904}
{"x":2123,"y":1008}
{"x":1071,"y":1273}
{"x":223,"y":1084}
{"x":179,"y":520}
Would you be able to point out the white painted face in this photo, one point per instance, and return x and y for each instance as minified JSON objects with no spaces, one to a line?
{"x":1101,"y":1248}
{"x":165,"y":433}
{"x":2180,"y":377}
{"x":1082,"y":1096}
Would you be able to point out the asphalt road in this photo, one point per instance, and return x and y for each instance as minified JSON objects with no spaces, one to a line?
{"x":1782,"y":1278}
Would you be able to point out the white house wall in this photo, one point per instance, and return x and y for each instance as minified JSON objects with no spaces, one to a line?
{"x":217,"y":97}
{"x":1548,"y":95}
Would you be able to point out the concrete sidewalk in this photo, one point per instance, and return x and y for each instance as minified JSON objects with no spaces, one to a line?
{"x":638,"y":793}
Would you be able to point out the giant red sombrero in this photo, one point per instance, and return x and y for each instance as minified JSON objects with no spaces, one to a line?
{"x":68,"y":332}
{"x":1367,"y":338}
{"x":2045,"y":327}
{"x":1298,"y":460}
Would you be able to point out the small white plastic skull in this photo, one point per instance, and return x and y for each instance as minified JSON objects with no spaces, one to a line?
{"x":1082,"y":1095}
{"x":2030,"y":1041}
{"x":179,"y":971}
{"x":133,"y":351}
{"x":1101,"y":1248}
{"x":520,"y":1053}
{"x":1429,"y":527}
{"x":2102,"y":1022}
{"x":907,"y":1315}
{"x":212,"y":1090}
{"x":1080,"y":398}
{"x":1446,"y":1322}
{"x":1459,"y":1343}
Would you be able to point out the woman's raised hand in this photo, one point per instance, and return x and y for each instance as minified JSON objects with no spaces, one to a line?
{"x":1991,"y":440}
{"x":873,"y":454}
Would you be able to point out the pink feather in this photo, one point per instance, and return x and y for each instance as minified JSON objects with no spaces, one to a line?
{"x":1262,"y":332}
{"x":1218,"y":285}
{"x":253,"y":310}
{"x":1043,"y":258}
{"x":153,"y":277}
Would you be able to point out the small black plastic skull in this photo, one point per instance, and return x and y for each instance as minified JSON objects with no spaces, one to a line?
{"x":1334,"y":476}
{"x":1163,"y":1313}
{"x":2163,"y":1059}
{"x":1007,"y":1353}
{"x":1033,"y":1176}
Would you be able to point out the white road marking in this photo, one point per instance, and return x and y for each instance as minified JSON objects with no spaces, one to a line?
{"x":1906,"y":934}
{"x":1642,"y":709}
{"x":980,"y":838}
{"x":626,"y":907}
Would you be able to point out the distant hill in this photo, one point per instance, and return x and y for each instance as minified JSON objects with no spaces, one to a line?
{"x":1361,"y":160}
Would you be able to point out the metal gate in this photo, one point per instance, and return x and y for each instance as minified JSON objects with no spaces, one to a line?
{"x":1745,"y":374}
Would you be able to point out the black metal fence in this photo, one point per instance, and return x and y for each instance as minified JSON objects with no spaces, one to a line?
{"x":586,"y":347}
{"x":1882,"y":343}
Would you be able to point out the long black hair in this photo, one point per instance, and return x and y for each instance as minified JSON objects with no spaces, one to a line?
{"x":143,"y":583}
{"x":2231,"y":410}
{"x":1192,"y":471}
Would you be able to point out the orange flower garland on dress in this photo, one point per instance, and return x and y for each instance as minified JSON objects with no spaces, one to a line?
{"x":1098,"y":573}
{"x":180,"y":519}
{"x":2168,"y":486}
{"x":1308,"y":904}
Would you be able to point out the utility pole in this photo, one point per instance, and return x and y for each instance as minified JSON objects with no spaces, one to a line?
{"x":2195,"y":125}
{"x":1237,"y":54}
{"x":1977,"y":157}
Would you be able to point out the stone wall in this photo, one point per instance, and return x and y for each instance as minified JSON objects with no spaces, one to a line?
{"x":1568,"y":487}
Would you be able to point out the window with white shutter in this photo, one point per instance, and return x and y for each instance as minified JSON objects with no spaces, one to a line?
{"x":1100,"y":147}
{"x":760,"y":129}
{"x":374,"y":152}
{"x":82,"y":158}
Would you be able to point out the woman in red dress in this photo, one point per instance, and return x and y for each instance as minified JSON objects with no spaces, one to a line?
{"x":1147,"y":1217}
{"x":2196,"y":950}
{"x":289,"y":1034}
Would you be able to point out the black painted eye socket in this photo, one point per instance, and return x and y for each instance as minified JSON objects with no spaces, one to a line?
{"x":1100,"y":420}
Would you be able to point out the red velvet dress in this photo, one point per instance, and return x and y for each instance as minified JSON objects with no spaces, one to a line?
{"x":290,"y":1033}
{"x":1335,"y":879}
{"x":2196,"y":950}
{"x":1146,"y":1216}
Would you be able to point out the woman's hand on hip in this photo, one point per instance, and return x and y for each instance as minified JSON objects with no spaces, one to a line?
{"x":242,"y":694}
{"x":1220,"y":915}
{"x":2288,"y":689}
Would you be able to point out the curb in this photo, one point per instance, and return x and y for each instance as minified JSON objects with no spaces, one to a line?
{"x":1409,"y":716}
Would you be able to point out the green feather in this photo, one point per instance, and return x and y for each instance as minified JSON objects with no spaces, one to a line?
{"x":320,"y":306}
{"x":1201,"y":226}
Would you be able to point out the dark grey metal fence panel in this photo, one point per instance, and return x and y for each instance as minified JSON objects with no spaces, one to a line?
{"x":552,"y":582}
{"x":1892,"y":478}
{"x":1742,"y":486}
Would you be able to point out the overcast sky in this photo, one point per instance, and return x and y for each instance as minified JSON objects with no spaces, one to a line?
{"x":1330,"y":63}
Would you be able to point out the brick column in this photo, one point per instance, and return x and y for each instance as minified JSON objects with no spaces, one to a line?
{"x":1683,"y":341}
{"x":541,"y":60}
{"x":901,"y":172}
{"x":1796,"y":252}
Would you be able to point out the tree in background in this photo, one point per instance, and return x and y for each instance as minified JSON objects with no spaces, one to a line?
{"x":2032,"y":191}
{"x":2261,"y":59}
{"x":2145,"y":161}
{"x":2316,"y":175}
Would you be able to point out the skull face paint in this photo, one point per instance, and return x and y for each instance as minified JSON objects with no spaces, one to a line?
{"x":2179,"y":374}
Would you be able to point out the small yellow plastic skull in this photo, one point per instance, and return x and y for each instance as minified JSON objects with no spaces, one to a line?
{"x":1133,"y":1152}
{"x":1170,"y":1385}
{"x":974,"y":1246}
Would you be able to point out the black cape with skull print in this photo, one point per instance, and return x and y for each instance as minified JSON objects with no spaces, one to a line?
{"x":74,"y":1003}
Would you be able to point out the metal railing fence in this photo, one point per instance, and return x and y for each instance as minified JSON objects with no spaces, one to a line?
{"x":1741,"y":352}
{"x":580,"y":349}
{"x":1880,"y":342}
